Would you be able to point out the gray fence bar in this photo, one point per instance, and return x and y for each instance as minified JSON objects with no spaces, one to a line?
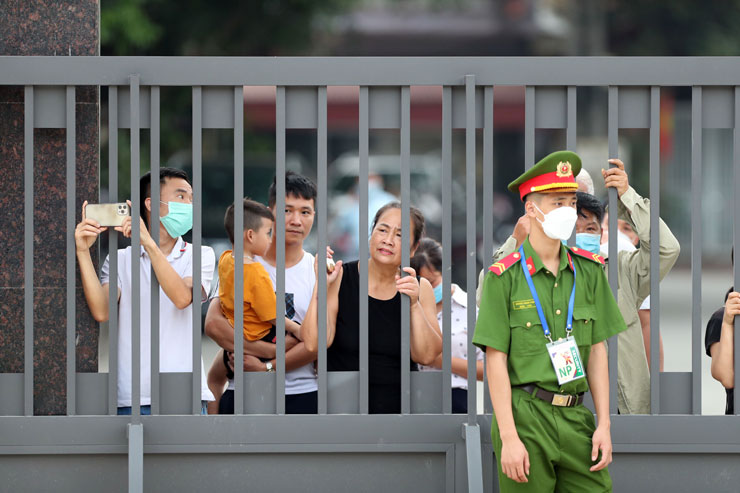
{"x":655,"y":249}
{"x":487,"y":209}
{"x":447,"y":249}
{"x":113,"y":253}
{"x":71,"y":260}
{"x":239,"y":250}
{"x":135,"y":248}
{"x":197,"y":232}
{"x":372,"y":71}
{"x":736,"y":237}
{"x":154,"y":228}
{"x":571,"y":132}
{"x":613,"y":265}
{"x":280,"y":115}
{"x":28,"y":291}
{"x":405,"y":241}
{"x":135,"y":434}
{"x":529,"y":123}
{"x":321,"y":217}
{"x":696,"y":247}
{"x":470,"y":240}
{"x":364,"y":148}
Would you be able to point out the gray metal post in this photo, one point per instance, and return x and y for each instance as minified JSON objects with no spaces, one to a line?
{"x":655,"y":249}
{"x":470,"y":238}
{"x":529,"y":124}
{"x":571,"y":133}
{"x":135,"y":258}
{"x":154,"y":222}
{"x":113,"y":253}
{"x":736,"y":238}
{"x":71,"y":260}
{"x":280,"y":115}
{"x":364,"y":144}
{"x":487,"y":210}
{"x":197,"y":232}
{"x":696,"y":246}
{"x":405,"y":242}
{"x":321,"y":217}
{"x":613,"y":264}
{"x":471,"y":432}
{"x":28,"y":291}
{"x":239,"y":250}
{"x":447,"y":249}
{"x":135,"y":434}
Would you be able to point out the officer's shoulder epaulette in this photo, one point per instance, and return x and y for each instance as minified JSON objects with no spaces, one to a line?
{"x":500,"y":267}
{"x":594,"y":257}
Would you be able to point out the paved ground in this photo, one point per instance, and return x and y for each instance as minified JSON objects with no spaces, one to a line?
{"x":675,"y":326}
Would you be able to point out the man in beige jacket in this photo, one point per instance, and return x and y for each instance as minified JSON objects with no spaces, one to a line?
{"x":633,"y":379}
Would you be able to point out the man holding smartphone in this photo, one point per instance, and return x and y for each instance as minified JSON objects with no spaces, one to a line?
{"x":172,"y":262}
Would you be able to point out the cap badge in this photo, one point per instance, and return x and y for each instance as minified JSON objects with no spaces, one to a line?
{"x":564,"y":169}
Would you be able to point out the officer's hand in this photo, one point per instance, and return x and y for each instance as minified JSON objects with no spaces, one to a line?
{"x":521,"y":230}
{"x":732,"y":307}
{"x":515,"y":460}
{"x":616,"y":177}
{"x":601,"y":441}
{"x":87,"y":231}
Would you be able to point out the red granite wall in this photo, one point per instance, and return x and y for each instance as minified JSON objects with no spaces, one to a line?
{"x":59,"y":28}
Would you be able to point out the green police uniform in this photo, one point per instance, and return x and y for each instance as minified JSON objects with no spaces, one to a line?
{"x":558,"y":439}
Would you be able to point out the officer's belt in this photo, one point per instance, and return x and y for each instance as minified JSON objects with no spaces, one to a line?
{"x":560,"y":400}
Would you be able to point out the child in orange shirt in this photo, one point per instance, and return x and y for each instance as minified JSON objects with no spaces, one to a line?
{"x":259,"y":294}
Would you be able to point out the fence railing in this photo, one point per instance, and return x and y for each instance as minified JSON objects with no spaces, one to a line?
{"x":217,"y":85}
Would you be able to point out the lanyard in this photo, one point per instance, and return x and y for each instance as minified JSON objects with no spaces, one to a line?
{"x":545,"y":327}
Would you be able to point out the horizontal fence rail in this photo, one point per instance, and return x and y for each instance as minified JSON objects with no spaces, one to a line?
{"x":468,"y":89}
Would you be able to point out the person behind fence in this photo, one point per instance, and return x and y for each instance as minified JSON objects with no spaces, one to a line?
{"x":427,"y":261}
{"x":172,"y":262}
{"x":719,"y":342}
{"x":301,"y":396}
{"x":545,"y":312}
{"x":259,"y":294}
{"x":627,"y":240}
{"x":385,"y":287}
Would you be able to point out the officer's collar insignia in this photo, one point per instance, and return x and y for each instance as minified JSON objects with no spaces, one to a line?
{"x":594,"y":257}
{"x":502,"y":265}
{"x":564,"y":169}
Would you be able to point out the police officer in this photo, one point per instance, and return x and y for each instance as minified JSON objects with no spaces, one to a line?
{"x":545,"y":312}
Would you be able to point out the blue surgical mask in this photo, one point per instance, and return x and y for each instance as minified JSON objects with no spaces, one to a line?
{"x":179,"y":220}
{"x":589,"y":241}
{"x":438,"y":293}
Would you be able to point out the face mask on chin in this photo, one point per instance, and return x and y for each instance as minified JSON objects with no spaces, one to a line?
{"x":559,"y":223}
{"x":438,"y":293}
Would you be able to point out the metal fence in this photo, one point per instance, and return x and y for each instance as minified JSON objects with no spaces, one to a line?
{"x":426,"y":446}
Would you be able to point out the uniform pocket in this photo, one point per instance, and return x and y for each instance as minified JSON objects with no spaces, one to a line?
{"x":583,"y":318}
{"x":527,"y":336}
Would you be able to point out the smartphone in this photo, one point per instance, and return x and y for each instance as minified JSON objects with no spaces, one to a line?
{"x":108,"y":214}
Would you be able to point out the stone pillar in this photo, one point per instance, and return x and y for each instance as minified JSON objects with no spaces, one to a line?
{"x":60,"y":28}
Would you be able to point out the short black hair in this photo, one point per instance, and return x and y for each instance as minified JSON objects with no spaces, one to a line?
{"x":587,"y":202}
{"x":417,"y":219}
{"x":145,"y":187}
{"x":296,"y":185}
{"x":428,"y":254}
{"x":253,"y":214}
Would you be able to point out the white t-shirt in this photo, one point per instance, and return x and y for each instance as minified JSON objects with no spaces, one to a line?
{"x":299,"y":282}
{"x":175,"y":325}
{"x":459,"y":333}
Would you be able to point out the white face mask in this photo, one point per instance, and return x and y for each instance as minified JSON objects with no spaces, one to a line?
{"x":559,"y":223}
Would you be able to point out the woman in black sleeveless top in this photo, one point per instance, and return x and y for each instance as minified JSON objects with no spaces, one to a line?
{"x":385,"y":288}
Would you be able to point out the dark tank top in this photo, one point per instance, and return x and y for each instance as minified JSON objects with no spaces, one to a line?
{"x":384,"y":342}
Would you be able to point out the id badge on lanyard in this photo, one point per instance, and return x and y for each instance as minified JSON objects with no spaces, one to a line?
{"x":564,"y":354}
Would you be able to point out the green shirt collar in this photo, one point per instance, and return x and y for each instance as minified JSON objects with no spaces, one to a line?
{"x":529,"y":252}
